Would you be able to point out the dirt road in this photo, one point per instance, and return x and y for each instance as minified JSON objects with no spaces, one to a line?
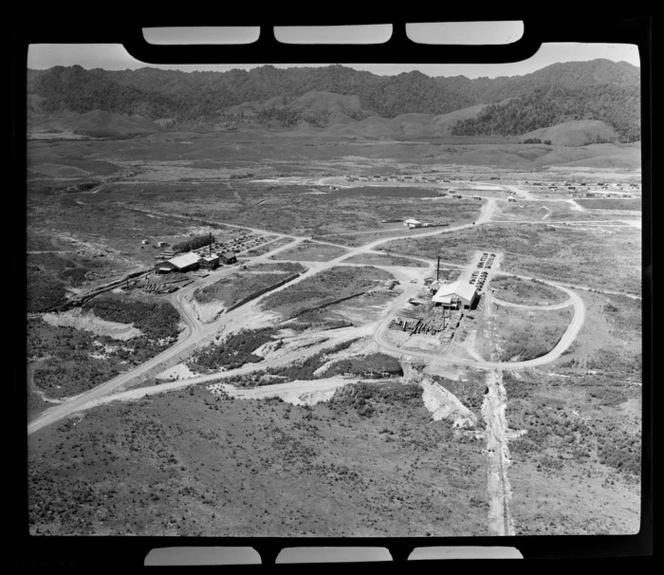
{"x":498,"y":488}
{"x":382,"y":340}
{"x":236,"y":319}
{"x":89,"y":400}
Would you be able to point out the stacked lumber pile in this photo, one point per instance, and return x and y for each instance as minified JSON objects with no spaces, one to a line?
{"x":169,"y":284}
{"x":434,"y":322}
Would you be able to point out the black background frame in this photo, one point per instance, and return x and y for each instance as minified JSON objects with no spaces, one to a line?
{"x":111,"y":24}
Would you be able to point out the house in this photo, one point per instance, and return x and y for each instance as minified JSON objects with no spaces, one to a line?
{"x":412,"y":223}
{"x":455,"y":295}
{"x":511,"y":199}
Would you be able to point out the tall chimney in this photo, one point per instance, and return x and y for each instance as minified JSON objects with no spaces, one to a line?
{"x":438,"y":269}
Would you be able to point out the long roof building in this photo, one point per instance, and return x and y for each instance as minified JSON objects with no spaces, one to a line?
{"x":458,"y":292}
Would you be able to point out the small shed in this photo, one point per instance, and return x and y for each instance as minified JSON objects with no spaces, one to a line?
{"x":210,"y":261}
{"x":228,"y":258}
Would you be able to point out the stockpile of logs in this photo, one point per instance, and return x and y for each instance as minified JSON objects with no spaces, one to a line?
{"x":168,"y":284}
{"x":407,"y":319}
{"x":434,"y":322}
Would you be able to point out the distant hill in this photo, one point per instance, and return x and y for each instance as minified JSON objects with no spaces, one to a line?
{"x":542,"y":107}
{"x":345,"y":101}
{"x":100,"y":124}
{"x":578,"y":133}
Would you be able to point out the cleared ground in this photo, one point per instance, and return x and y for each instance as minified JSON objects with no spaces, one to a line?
{"x":372,"y":461}
{"x":598,"y":257}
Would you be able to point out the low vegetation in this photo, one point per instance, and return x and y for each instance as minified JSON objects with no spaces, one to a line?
{"x":232,"y":289}
{"x":157,"y":319}
{"x":526,"y":292}
{"x":559,"y":428}
{"x":386,"y":260}
{"x":311,"y":251}
{"x":366,"y":398}
{"x":469,"y":391}
{"x":369,"y":463}
{"x":592,"y":257}
{"x":323,"y":288}
{"x":235,"y":351}
{"x":372,"y":366}
{"x":629,"y":204}
{"x":68,"y":361}
{"x":526,"y":334}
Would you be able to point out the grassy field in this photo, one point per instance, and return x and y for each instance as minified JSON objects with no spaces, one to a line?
{"x":610,"y":340}
{"x":385,"y":260}
{"x":240,"y":284}
{"x":369,"y":463}
{"x":311,"y":252}
{"x":542,"y":210}
{"x":323,"y":289}
{"x":583,"y":421}
{"x":629,"y":204}
{"x":290,"y":209}
{"x":598,"y":258}
{"x":259,"y":251}
{"x":526,"y":334}
{"x":526,"y":292}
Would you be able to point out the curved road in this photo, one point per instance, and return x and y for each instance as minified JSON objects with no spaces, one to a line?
{"x":381,"y":339}
{"x":198,"y":332}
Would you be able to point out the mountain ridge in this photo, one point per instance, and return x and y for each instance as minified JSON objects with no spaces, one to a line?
{"x":324,"y":97}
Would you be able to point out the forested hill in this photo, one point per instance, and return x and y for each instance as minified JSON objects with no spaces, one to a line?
{"x":549,"y":106}
{"x":596,"y":90}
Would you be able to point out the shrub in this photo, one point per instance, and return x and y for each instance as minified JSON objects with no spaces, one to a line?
{"x":235,"y":350}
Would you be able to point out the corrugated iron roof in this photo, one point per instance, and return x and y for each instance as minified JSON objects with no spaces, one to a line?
{"x":458,"y":288}
{"x":185,"y":260}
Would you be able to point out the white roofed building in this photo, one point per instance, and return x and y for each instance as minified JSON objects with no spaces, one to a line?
{"x":181,"y":263}
{"x":455,"y":295}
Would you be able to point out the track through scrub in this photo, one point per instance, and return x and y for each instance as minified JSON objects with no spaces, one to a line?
{"x":498,"y":488}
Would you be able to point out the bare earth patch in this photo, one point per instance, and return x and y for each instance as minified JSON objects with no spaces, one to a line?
{"x":88,"y":321}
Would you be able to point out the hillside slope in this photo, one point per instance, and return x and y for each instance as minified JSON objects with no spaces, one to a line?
{"x":599,"y":90}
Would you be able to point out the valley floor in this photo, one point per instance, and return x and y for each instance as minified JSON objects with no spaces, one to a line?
{"x":304,"y":410}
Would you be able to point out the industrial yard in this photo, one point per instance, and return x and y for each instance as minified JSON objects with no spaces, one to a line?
{"x":279,"y":334}
{"x":249,"y":319}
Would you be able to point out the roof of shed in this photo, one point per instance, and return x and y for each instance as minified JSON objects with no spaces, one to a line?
{"x":185,"y":260}
{"x":458,"y":288}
